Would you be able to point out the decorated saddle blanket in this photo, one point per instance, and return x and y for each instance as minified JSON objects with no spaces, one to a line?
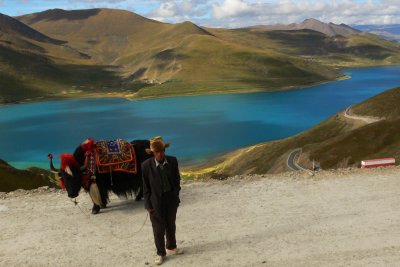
{"x":115,"y":155}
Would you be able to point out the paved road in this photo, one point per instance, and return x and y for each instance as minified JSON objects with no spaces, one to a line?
{"x":366,"y":119}
{"x":291,"y":159}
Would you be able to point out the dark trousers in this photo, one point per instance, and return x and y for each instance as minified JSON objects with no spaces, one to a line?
{"x":164,"y":224}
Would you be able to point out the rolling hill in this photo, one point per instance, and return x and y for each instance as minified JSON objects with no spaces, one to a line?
{"x":335,"y":142}
{"x":58,"y":53}
{"x":11,"y":26}
{"x":172,"y":55}
{"x":353,"y":50}
{"x":13,"y":179}
{"x":390,"y":31}
{"x":35,"y":66}
{"x":329,"y":29}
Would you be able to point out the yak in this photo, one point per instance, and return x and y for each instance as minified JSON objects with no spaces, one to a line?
{"x":77,"y":171}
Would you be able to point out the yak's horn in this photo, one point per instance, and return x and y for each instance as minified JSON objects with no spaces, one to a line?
{"x":50,"y":156}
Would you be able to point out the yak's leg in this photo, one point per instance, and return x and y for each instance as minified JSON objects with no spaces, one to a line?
{"x":139,"y":194}
{"x":95,"y":195}
{"x":95,"y":209}
{"x":101,"y":185}
{"x":104,"y":196}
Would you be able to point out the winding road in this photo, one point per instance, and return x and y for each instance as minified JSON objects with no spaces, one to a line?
{"x":366,"y":119}
{"x":291,"y":160}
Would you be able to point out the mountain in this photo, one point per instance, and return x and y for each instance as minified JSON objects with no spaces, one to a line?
{"x":11,"y":26}
{"x":172,"y":56}
{"x":335,"y":142}
{"x":13,"y":179}
{"x":107,"y":34}
{"x":120,"y":53}
{"x":329,"y":29}
{"x":391,"y":31}
{"x":36,"y":66}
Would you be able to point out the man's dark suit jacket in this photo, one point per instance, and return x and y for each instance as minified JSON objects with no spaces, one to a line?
{"x":152,"y":185}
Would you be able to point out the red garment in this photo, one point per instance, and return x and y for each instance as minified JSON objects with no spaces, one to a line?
{"x":68,"y":160}
{"x":88,"y":145}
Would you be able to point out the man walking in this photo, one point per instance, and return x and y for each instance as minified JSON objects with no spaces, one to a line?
{"x":161,"y":186}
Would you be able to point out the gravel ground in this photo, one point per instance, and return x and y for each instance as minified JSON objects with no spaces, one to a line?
{"x":347,"y":217}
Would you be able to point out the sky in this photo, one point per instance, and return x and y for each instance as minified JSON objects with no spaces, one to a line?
{"x":231,"y":13}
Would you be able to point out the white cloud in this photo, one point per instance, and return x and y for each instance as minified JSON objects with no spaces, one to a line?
{"x":232,"y":8}
{"x":241,"y":13}
{"x":166,"y":10}
{"x":178,"y":11}
{"x":97,"y":1}
{"x":237,"y":13}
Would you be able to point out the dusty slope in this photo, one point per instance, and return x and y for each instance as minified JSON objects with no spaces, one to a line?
{"x":346,"y":217}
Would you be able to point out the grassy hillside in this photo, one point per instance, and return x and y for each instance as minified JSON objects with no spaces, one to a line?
{"x":334,"y":51}
{"x":9,"y":25}
{"x":183,"y":58}
{"x":379,"y":139}
{"x":12,"y":179}
{"x":376,"y":140}
{"x":382,"y":105}
{"x":35,"y":66}
{"x":335,"y":142}
{"x":329,"y":29}
{"x":180,"y":59}
{"x":31,"y":75}
{"x":209,"y":64}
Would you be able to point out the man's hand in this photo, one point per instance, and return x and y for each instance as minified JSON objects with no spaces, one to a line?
{"x":150,"y":210}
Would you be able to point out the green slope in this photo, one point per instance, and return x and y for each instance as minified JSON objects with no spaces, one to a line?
{"x":334,"y":51}
{"x":99,"y":51}
{"x":34,"y":66}
{"x":12,"y":179}
{"x":183,"y":58}
{"x":29,"y":75}
{"x":335,"y":142}
{"x":379,"y":139}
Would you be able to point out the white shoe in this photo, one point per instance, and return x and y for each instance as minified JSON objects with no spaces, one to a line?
{"x":175,"y":251}
{"x":159,"y":260}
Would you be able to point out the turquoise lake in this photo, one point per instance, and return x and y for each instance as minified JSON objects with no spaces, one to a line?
{"x":198,"y":127}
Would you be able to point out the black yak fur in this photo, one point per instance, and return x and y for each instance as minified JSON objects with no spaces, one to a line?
{"x":122,"y":184}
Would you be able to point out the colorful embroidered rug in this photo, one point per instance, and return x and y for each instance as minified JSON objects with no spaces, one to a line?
{"x":115,"y":155}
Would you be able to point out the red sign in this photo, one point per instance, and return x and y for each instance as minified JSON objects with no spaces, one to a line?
{"x":373,"y":163}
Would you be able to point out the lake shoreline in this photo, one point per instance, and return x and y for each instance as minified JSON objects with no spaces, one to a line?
{"x":134,"y":97}
{"x":124,"y":96}
{"x":131,"y":96}
{"x":220,"y":123}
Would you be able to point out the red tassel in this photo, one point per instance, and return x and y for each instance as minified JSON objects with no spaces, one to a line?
{"x":62,"y":183}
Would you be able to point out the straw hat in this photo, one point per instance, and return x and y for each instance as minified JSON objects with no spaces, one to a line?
{"x":156,"y":145}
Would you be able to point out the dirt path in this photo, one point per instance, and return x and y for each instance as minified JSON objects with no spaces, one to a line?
{"x":366,"y":119}
{"x":346,"y":217}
